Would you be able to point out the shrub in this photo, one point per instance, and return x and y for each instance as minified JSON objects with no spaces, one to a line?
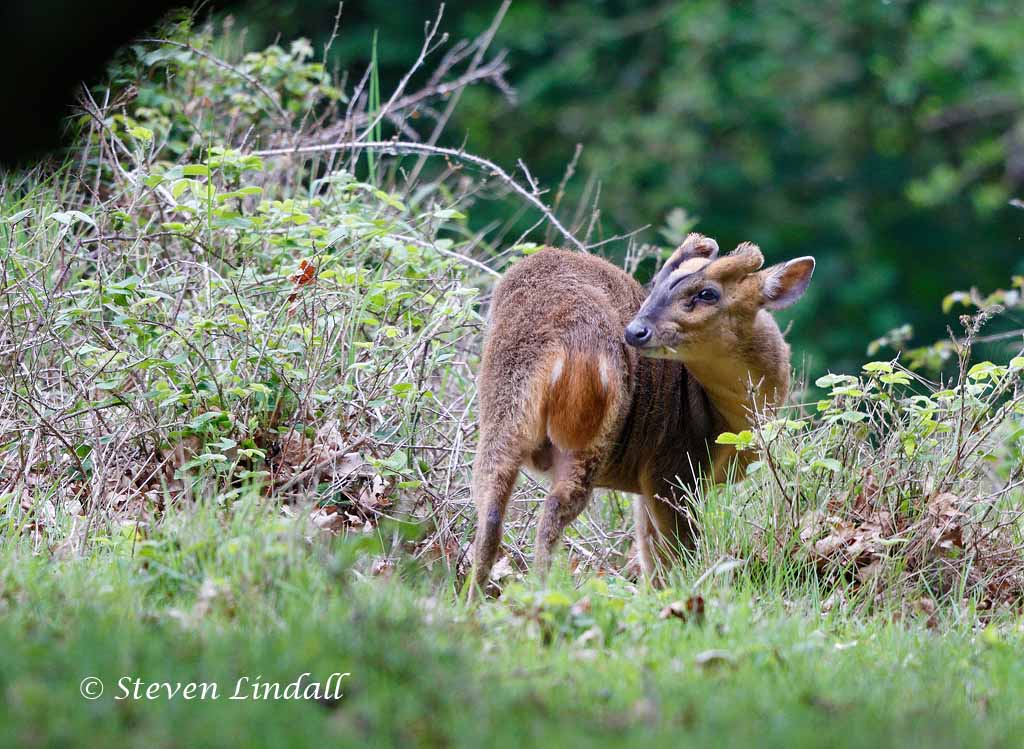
{"x":894,"y":484}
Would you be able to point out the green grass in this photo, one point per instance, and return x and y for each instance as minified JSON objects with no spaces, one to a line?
{"x":213,"y":595}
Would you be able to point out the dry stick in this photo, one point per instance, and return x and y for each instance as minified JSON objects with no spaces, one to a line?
{"x":482,"y":46}
{"x":570,"y":170}
{"x":620,"y":237}
{"x":407,"y":147}
{"x":493,"y":70}
{"x":449,"y":253}
{"x":53,"y":430}
{"x":334,"y":33}
{"x":425,"y":51}
{"x":96,"y":113}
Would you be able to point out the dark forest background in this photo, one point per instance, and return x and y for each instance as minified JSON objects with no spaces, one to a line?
{"x":886,"y":138}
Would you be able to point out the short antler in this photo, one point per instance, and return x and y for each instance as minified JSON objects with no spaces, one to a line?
{"x":695,"y":245}
{"x":746,"y":258}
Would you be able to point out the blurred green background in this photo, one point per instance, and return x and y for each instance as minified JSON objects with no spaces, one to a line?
{"x":884,"y":137}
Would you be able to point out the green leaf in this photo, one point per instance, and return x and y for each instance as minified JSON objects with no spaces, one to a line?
{"x":16,"y":217}
{"x":829,"y":464}
{"x":141,"y":133}
{"x":557,"y":599}
{"x":831,"y":380}
{"x":206,"y":459}
{"x":389,"y":199}
{"x":743,"y":439}
{"x":896,"y":378}
{"x":205,"y":418}
{"x":179,"y":187}
{"x":397,"y":462}
{"x":67,"y":218}
{"x":876,"y":367}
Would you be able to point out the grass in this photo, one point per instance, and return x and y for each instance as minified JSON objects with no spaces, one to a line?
{"x":212,"y":595}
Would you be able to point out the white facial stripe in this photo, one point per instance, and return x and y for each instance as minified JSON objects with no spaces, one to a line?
{"x":687,"y":267}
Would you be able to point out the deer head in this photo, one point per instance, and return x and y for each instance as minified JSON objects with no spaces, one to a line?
{"x":702,"y":303}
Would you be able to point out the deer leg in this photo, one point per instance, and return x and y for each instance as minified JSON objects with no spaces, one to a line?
{"x":494,"y":474}
{"x":663,"y":533}
{"x":571,"y":490}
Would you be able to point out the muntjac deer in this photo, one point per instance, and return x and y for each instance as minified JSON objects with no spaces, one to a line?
{"x":562,"y":392}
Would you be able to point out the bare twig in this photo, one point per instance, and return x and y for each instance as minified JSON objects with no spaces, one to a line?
{"x":482,"y":44}
{"x":398,"y":147}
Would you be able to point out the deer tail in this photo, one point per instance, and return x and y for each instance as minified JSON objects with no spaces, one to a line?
{"x":581,"y":394}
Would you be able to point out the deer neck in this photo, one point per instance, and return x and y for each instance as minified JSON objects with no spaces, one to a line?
{"x":744,"y":374}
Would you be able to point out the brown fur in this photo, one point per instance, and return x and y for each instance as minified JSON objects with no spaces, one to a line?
{"x":561,"y":391}
{"x":577,"y":402}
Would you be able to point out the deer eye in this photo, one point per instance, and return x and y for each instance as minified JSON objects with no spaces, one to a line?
{"x":708,"y":296}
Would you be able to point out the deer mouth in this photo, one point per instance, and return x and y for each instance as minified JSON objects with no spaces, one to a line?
{"x":652,"y":343}
{"x":659,"y":352}
{"x":667,"y":343}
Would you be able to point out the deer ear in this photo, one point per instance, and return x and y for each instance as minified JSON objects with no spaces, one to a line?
{"x":782,"y":285}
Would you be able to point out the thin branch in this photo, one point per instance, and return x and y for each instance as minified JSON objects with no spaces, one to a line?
{"x":425,"y":50}
{"x":399,"y":147}
{"x":482,"y":44}
{"x":449,"y":253}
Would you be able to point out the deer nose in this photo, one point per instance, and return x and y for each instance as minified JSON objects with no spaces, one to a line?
{"x":637,"y":334}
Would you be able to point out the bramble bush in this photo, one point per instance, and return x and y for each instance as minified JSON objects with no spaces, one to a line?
{"x":183,"y":318}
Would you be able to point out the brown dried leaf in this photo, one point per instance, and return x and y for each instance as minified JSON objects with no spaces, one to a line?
{"x":294,"y":451}
{"x":692,"y":609}
{"x":383,"y":567}
{"x":502,"y":569}
{"x":327,"y":519}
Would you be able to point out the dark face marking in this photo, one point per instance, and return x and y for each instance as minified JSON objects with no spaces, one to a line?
{"x":678,"y":310}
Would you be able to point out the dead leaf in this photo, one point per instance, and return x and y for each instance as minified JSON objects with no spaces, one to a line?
{"x":836,"y":599}
{"x":691,"y":610}
{"x":926,"y":606}
{"x":327,"y":519}
{"x":383,"y":568}
{"x":303,"y":277}
{"x":501,"y":569}
{"x":592,"y":635}
{"x":581,"y":606}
